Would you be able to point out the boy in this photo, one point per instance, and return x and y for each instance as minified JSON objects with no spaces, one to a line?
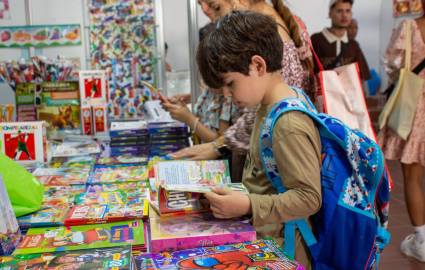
{"x":244,"y":54}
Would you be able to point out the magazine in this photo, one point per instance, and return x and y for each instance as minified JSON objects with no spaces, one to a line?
{"x":261,"y":254}
{"x":118,"y":258}
{"x":24,"y":142}
{"x":38,"y":240}
{"x":197,"y":230}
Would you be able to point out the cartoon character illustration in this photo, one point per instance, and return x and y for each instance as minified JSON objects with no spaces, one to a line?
{"x":233,"y":260}
{"x":70,"y":238}
{"x":22,"y":139}
{"x":64,"y":119}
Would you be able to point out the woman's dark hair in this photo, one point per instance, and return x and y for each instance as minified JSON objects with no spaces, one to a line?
{"x":237,"y":37}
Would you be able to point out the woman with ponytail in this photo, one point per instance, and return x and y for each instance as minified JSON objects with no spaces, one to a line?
{"x":297,"y":70}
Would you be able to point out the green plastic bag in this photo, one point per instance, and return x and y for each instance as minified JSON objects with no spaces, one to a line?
{"x":25,"y":192}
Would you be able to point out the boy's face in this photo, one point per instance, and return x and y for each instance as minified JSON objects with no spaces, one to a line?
{"x":246,"y":90}
{"x":341,"y":15}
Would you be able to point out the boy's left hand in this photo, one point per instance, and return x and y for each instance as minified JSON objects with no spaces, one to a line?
{"x":226,"y":203}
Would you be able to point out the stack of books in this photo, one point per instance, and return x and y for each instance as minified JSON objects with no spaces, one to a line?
{"x":166,"y":138}
{"x":129,"y":137}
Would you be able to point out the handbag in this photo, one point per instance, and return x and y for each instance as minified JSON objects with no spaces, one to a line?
{"x":400,"y":109}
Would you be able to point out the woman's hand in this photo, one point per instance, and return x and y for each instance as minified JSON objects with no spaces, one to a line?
{"x":180,"y":112}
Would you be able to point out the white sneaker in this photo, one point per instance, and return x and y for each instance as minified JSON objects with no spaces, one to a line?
{"x":411,"y":247}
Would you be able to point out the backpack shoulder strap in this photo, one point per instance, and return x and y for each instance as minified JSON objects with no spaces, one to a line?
{"x":272,"y":173}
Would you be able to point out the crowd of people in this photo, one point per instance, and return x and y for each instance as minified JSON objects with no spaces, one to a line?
{"x":254,"y":54}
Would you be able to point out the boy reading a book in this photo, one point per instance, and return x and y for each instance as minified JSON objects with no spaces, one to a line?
{"x":243,"y":54}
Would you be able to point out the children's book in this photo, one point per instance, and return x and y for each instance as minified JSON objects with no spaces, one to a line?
{"x":61,"y":196}
{"x":72,"y":149}
{"x":192,"y":176}
{"x":24,"y":141}
{"x":118,"y":258}
{"x":9,"y":229}
{"x":123,"y":159}
{"x":61,"y":176}
{"x":80,"y":162}
{"x":48,"y":216}
{"x":25,"y":102}
{"x":103,"y":213}
{"x":118,"y":174}
{"x":128,"y":186}
{"x":197,"y":230}
{"x":128,"y":128}
{"x":261,"y":254}
{"x":39,"y":240}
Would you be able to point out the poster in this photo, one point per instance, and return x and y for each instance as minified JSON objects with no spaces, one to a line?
{"x":40,"y":36}
{"x":122,"y":37}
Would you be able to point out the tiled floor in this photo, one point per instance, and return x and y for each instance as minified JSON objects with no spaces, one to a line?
{"x":399,"y":226}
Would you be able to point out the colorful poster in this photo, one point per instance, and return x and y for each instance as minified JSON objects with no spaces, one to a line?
{"x":122,"y":37}
{"x":118,"y":258}
{"x":24,"y":141}
{"x":40,"y":36}
{"x":82,"y":237}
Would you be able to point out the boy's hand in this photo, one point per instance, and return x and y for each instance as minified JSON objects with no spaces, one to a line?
{"x":226,"y":203}
{"x":179,"y":112}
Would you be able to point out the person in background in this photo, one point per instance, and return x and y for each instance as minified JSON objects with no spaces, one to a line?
{"x":333,"y":45}
{"x":410,"y":152}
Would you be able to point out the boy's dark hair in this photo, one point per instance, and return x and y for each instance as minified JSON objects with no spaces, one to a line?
{"x":341,"y":1}
{"x":237,"y":37}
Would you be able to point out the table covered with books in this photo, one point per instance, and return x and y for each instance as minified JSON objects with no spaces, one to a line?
{"x":121,"y":203}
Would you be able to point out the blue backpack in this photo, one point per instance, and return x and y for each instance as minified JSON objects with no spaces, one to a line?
{"x":350,"y":228}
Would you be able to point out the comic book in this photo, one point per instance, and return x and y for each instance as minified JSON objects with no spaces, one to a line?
{"x":48,"y":216}
{"x":24,"y":142}
{"x":118,"y":258}
{"x":93,"y":86}
{"x":118,"y":174}
{"x":189,"y":176}
{"x":104,"y":213}
{"x":261,"y":254}
{"x":197,"y":230}
{"x":61,"y":176}
{"x":39,"y":240}
{"x":58,"y":196}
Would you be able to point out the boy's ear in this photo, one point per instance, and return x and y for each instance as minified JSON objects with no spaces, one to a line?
{"x":259,"y":65}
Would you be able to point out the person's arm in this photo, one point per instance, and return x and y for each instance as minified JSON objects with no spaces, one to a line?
{"x":296,"y":149}
{"x":395,"y":53}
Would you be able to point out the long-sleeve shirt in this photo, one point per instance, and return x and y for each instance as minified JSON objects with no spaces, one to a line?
{"x":297,"y":150}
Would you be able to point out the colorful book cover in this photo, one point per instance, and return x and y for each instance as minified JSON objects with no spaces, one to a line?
{"x":171,"y":127}
{"x":25,"y":102}
{"x":128,"y":186}
{"x":177,"y":202}
{"x":50,"y":216}
{"x":260,"y":254}
{"x":190,"y":176}
{"x":118,"y":174}
{"x":38,"y":240}
{"x":24,"y":141}
{"x":128,"y":128}
{"x":9,"y":229}
{"x":118,"y":258}
{"x":58,"y":196}
{"x":123,"y":159}
{"x":80,"y":162}
{"x":73,"y":149}
{"x":197,"y":230}
{"x":61,"y":176}
{"x":93,"y":86}
{"x":103,"y":213}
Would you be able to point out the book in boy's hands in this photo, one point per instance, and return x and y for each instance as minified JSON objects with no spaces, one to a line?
{"x":197,"y":230}
{"x":24,"y":142}
{"x":118,"y":174}
{"x":105,"y":213}
{"x":260,"y":254}
{"x":39,"y":240}
{"x":191,"y":176}
{"x":118,"y":258}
